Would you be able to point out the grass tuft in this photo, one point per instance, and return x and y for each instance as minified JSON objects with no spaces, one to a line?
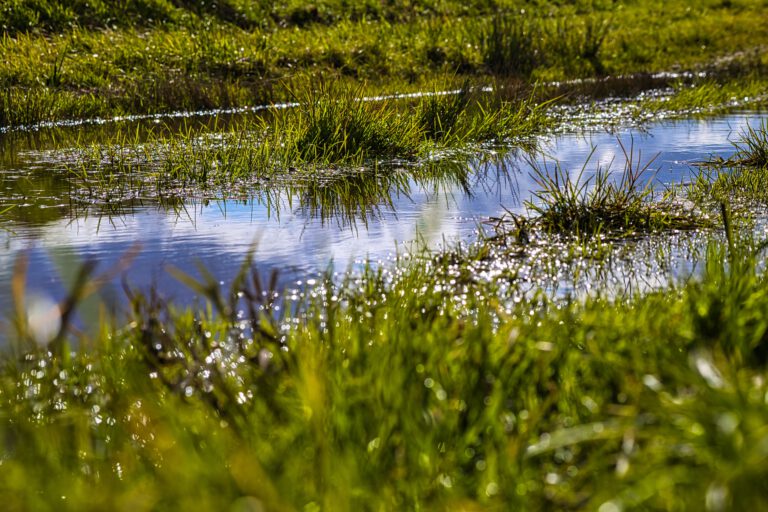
{"x":582,"y":205}
{"x":336,"y":124}
{"x":511,"y":46}
{"x":440,"y":113}
{"x":752,"y":147}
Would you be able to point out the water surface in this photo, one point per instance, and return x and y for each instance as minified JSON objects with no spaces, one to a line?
{"x":292,"y":229}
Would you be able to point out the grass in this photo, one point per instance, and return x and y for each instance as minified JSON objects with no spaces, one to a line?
{"x":423,"y":387}
{"x":530,"y":371}
{"x":84,"y":60}
{"x":391,"y":393}
{"x":599,"y":203}
{"x":335,"y":125}
{"x":710,"y":96}
{"x":752,"y":147}
{"x":331,"y":129}
{"x":739,"y":180}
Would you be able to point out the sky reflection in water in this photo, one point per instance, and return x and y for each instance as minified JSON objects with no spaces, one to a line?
{"x":300,"y":242}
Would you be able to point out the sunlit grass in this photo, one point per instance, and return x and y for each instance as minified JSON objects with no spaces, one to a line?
{"x":576,"y":403}
{"x":452,"y":380}
{"x":328,"y":131}
{"x":82,"y":60}
{"x":739,"y":180}
{"x":752,"y":146}
{"x":577,"y":203}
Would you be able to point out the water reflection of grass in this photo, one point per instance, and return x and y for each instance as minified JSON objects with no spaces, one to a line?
{"x":348,"y":198}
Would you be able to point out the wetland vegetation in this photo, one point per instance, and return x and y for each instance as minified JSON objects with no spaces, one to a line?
{"x":603,"y":347}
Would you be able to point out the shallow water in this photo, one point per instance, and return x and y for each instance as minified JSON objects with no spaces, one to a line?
{"x":290,"y":231}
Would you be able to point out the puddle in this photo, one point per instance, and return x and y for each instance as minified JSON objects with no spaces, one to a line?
{"x":294,"y":230}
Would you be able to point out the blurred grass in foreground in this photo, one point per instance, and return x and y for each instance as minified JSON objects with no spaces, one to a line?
{"x":391,"y":393}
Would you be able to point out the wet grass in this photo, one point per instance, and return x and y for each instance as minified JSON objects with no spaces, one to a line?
{"x":447,"y":381}
{"x":710,"y":97}
{"x":391,"y":390}
{"x":161,"y":57}
{"x":334,"y":125}
{"x":742,"y":187}
{"x":330,"y":130}
{"x":588,"y":203}
{"x":518,"y":373}
{"x":752,"y":147}
{"x":740,"y":179}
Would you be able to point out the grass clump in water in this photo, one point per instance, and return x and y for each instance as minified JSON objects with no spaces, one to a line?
{"x":752,"y":147}
{"x":740,"y":179}
{"x":328,"y":131}
{"x":742,"y":187}
{"x":597,"y":204}
{"x":336,"y":124}
{"x":477,"y":115}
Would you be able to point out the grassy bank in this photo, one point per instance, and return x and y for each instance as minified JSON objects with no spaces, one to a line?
{"x":89,"y":59}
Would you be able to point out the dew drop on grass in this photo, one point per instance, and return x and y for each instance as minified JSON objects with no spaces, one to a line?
{"x":44,"y":318}
{"x":717,"y":497}
{"x":610,"y":506}
{"x":652,"y":382}
{"x":727,"y":423}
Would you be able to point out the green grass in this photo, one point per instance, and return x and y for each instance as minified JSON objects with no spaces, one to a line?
{"x":598,"y":203}
{"x":331,"y":130}
{"x":393,"y":393}
{"x":95,"y":59}
{"x":752,"y":147}
{"x":335,"y":125}
{"x":740,"y":179}
{"x":521,"y":373}
{"x":710,"y":97}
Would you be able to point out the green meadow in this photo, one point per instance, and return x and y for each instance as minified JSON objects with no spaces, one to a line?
{"x":553,"y":363}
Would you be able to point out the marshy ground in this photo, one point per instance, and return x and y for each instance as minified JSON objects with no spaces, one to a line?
{"x":390,"y":255}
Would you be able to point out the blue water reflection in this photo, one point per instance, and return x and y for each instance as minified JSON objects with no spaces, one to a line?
{"x":301,"y":243}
